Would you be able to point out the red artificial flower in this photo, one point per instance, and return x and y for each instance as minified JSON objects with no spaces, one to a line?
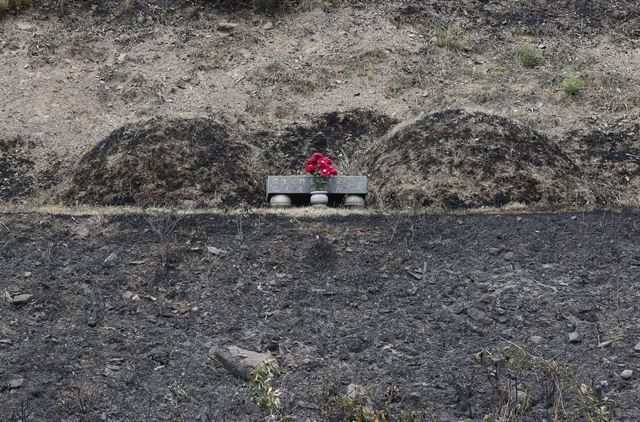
{"x":317,"y":155}
{"x":310,"y":168}
{"x":328,"y":160}
{"x":322,"y":162}
{"x":324,"y":171}
{"x":311,"y":160}
{"x":333,"y":171}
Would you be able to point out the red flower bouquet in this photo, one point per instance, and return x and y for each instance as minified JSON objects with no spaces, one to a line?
{"x":320,"y":168}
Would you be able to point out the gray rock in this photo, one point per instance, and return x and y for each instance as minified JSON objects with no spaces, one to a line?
{"x":227,"y":27}
{"x":494,"y":251}
{"x":15,"y":382}
{"x":127,"y":295}
{"x":637,"y":347}
{"x":239,"y":362}
{"x":111,"y":258}
{"x":604,"y":344}
{"x":574,"y":337}
{"x":536,"y":339}
{"x":21,"y":299}
{"x":478,"y":315}
{"x":267,"y":26}
{"x":508,"y":256}
{"x":215,"y":251}
{"x":6,"y":342}
{"x":626,"y":374}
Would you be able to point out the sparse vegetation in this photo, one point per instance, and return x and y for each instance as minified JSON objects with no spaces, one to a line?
{"x":264,"y":395}
{"x":529,"y":55}
{"x":522,"y":380}
{"x":451,"y":38}
{"x":15,"y":4}
{"x":573,"y":84}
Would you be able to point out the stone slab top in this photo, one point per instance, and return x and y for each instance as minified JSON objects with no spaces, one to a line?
{"x":292,"y":185}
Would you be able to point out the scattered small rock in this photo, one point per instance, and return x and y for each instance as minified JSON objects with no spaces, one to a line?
{"x":27,"y":274}
{"x":508,"y":256}
{"x":226,"y":27}
{"x":127,"y":295}
{"x":478,"y":315}
{"x":121,"y":58}
{"x":216,"y":251}
{"x":494,"y":251}
{"x":21,"y":299}
{"x":637,"y":347}
{"x":267,"y":26}
{"x":6,"y":342}
{"x":604,"y":344}
{"x":574,"y":337}
{"x":111,"y":258}
{"x":239,"y":362}
{"x":626,"y":374}
{"x":14,"y":383}
{"x":536,"y":339}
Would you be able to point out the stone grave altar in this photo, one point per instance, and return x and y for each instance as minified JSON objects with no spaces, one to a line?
{"x":285,"y":191}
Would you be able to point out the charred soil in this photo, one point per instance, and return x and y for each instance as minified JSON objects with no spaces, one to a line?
{"x":416,"y":308}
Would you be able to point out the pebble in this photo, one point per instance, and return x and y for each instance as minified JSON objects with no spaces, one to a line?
{"x":112,"y":257}
{"x":574,"y":337}
{"x":127,"y":295}
{"x":478,"y":315}
{"x":508,"y":256}
{"x":21,"y":299}
{"x":604,"y":344}
{"x":637,"y":347}
{"x":226,"y":26}
{"x":536,"y":339}
{"x":6,"y":341}
{"x":267,"y":26}
{"x":626,"y":374}
{"x":15,"y":382}
{"x":27,"y":274}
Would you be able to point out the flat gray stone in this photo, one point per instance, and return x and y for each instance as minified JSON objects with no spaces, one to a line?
{"x":626,"y":374}
{"x":239,"y":362}
{"x":16,"y":382}
{"x":21,"y":299}
{"x":478,"y":315}
{"x":292,"y":185}
{"x":574,"y":337}
{"x":536,"y":339}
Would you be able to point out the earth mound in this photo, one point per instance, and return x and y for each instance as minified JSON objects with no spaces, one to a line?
{"x":468,"y":159}
{"x":611,"y":160}
{"x":15,"y":167}
{"x":167,"y":160}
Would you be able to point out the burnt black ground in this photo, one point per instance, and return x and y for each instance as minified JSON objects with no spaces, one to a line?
{"x":329,"y":296}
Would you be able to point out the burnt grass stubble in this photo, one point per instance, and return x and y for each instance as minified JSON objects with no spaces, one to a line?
{"x":383,"y":301}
